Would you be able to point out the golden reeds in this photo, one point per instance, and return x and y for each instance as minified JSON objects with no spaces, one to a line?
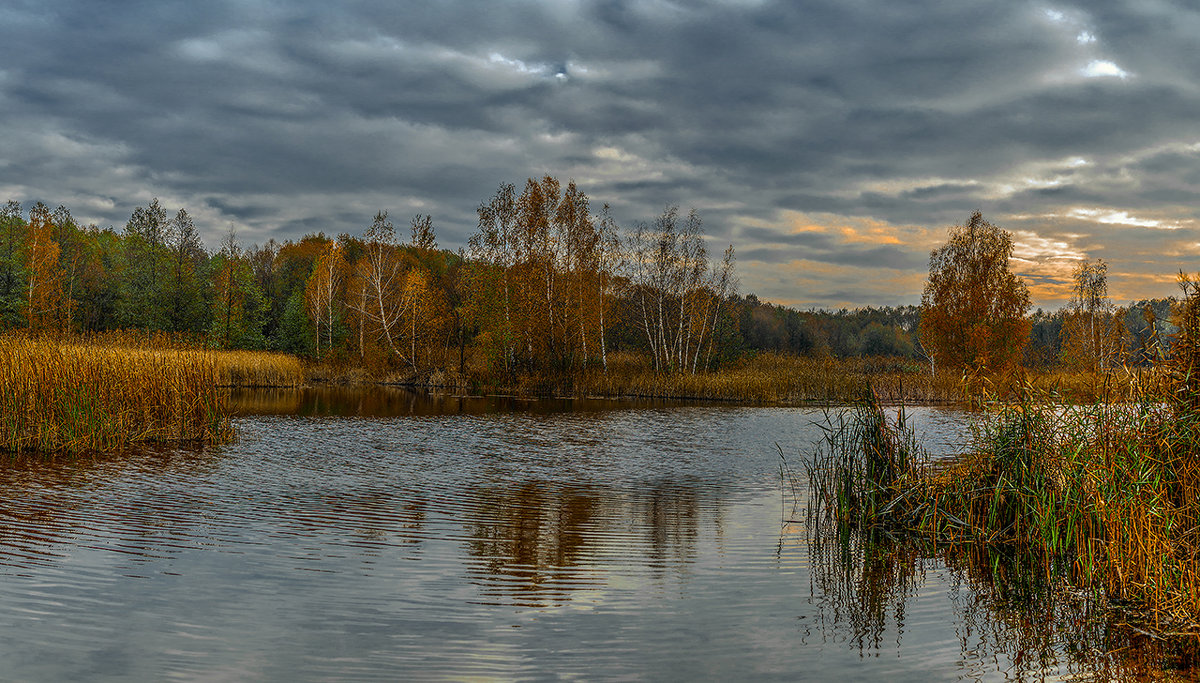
{"x":259,"y":369}
{"x":780,"y":378}
{"x":104,"y":392}
{"x":57,"y":396}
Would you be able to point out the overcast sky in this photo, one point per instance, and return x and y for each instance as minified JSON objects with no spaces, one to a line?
{"x":832,"y":143}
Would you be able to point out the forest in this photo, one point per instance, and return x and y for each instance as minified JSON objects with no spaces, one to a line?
{"x":547,"y":286}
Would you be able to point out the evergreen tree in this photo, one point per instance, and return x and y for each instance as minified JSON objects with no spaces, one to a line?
{"x":12,"y":265}
{"x":238,"y":304}
{"x":143,"y":302}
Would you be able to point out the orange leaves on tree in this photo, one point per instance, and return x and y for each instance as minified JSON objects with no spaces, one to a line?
{"x":47,"y":307}
{"x":973,"y":307}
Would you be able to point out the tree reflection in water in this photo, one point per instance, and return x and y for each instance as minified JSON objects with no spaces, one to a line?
{"x":1009,"y":614}
{"x":538,"y":545}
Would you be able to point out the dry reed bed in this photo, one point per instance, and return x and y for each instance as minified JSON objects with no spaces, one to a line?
{"x":259,"y":369}
{"x":1103,"y":497}
{"x":782,"y":378}
{"x":57,"y":396}
{"x":108,"y":391}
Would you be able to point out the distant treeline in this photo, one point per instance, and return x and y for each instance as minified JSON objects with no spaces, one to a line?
{"x":1139,"y":332}
{"x":546,"y":287}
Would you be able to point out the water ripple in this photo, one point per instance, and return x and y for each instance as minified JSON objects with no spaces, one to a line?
{"x":373,"y":537}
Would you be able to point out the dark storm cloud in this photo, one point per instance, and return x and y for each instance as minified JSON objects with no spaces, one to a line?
{"x":286,"y":118}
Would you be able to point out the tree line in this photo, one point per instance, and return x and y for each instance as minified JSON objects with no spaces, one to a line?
{"x":974,"y":313}
{"x":547,"y":285}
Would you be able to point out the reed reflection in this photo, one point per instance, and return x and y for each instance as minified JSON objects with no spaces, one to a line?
{"x":1010,"y":618}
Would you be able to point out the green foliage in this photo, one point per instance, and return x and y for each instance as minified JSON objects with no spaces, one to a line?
{"x":869,"y":331}
{"x":239,"y":307}
{"x":143,"y":301}
{"x":882,"y":340}
{"x":295,"y":332}
{"x":12,"y":265}
{"x":98,"y":294}
{"x":185,"y":286}
{"x":1150,"y":329}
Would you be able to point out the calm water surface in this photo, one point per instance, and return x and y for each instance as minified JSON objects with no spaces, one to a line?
{"x":383,"y":535}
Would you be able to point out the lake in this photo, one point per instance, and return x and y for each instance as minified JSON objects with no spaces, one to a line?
{"x":381,"y":534}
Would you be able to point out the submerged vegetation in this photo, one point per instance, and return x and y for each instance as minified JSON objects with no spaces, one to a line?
{"x":105,"y":392}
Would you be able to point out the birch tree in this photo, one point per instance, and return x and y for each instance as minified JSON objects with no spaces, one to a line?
{"x":322,"y":292}
{"x":389,"y":296}
{"x":608,"y":263}
{"x":1091,"y":332}
{"x":492,"y":252}
{"x":973,"y":307}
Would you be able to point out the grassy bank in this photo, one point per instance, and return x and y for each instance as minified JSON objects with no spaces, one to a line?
{"x":102,"y":393}
{"x":1103,"y":497}
{"x":766,"y":378}
{"x":779,"y":378}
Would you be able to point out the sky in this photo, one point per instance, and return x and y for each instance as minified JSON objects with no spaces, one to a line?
{"x":832,"y":143}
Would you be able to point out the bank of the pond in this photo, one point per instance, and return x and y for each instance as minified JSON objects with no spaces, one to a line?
{"x":765,"y":379}
{"x":102,"y":393}
{"x":1102,"y":498}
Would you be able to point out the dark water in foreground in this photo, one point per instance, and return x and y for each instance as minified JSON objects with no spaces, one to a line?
{"x":384,"y":535}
